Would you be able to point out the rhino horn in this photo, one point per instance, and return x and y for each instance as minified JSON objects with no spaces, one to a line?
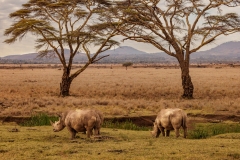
{"x":51,"y":122}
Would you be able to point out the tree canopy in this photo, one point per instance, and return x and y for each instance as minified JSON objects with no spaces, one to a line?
{"x":174,"y":25}
{"x":177,"y":27}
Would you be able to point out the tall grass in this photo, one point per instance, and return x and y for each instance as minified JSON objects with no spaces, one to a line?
{"x":224,"y":128}
{"x":40,"y":119}
{"x":127,"y":125}
{"x":203,"y":131}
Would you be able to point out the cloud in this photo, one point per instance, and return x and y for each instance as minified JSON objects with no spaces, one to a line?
{"x":26,"y":45}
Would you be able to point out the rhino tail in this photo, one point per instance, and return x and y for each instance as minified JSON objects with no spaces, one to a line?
{"x":184,"y":120}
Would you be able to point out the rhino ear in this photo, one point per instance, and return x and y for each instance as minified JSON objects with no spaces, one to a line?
{"x":51,"y":122}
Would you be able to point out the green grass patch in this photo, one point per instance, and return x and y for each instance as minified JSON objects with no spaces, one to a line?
{"x":200,"y":131}
{"x":41,"y":119}
{"x":206,"y":130}
{"x":127,"y":125}
{"x":41,"y":142}
{"x":198,"y":134}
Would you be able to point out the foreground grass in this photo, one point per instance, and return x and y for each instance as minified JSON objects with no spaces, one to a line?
{"x":41,"y":143}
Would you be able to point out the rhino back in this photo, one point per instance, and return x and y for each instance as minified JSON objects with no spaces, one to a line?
{"x":170,"y":118}
{"x":80,"y":119}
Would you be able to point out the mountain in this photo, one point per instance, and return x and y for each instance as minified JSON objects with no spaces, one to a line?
{"x":118,"y":55}
{"x":124,"y":50}
{"x":225,"y":49}
{"x":226,"y":52}
{"x":28,"y":56}
{"x":229,"y":51}
{"x":129,"y":54}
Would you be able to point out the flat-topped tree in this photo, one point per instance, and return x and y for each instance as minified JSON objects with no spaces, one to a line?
{"x":61,"y":24}
{"x":127,"y":64}
{"x":177,"y":27}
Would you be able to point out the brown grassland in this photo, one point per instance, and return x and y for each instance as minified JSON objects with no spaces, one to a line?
{"x":119,"y":92}
{"x":137,"y":91}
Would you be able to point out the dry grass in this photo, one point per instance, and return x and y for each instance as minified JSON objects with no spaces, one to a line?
{"x":117,"y":91}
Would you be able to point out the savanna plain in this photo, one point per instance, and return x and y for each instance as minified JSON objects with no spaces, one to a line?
{"x":117,"y":92}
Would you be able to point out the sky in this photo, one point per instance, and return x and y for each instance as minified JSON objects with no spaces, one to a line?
{"x":26,"y":45}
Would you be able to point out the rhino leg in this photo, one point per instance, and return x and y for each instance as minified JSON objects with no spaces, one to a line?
{"x":72,"y":131}
{"x":89,"y":132}
{"x":158,"y":133}
{"x":96,"y":131}
{"x":177,"y":133}
{"x":162,"y":130}
{"x":185,"y":132}
{"x":168,"y":133}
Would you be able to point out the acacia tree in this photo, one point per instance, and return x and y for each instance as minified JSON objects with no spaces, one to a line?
{"x":177,"y":27}
{"x":127,"y":64}
{"x":63,"y":24}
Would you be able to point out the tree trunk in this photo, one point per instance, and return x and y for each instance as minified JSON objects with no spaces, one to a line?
{"x":187,"y":84}
{"x":66,"y":83}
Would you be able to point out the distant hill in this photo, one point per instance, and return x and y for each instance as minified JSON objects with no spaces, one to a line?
{"x":118,"y":55}
{"x":229,"y":51}
{"x":226,"y":52}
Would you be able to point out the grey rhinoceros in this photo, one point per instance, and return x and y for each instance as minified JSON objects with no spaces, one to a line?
{"x":170,"y":119}
{"x":79,"y":121}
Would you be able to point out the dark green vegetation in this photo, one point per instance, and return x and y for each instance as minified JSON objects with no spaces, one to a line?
{"x":127,"y":64}
{"x":128,"y":125}
{"x":41,"y":119}
{"x":206,"y":130}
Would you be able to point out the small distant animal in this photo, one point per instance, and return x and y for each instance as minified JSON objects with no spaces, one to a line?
{"x":170,"y":119}
{"x":79,"y":121}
